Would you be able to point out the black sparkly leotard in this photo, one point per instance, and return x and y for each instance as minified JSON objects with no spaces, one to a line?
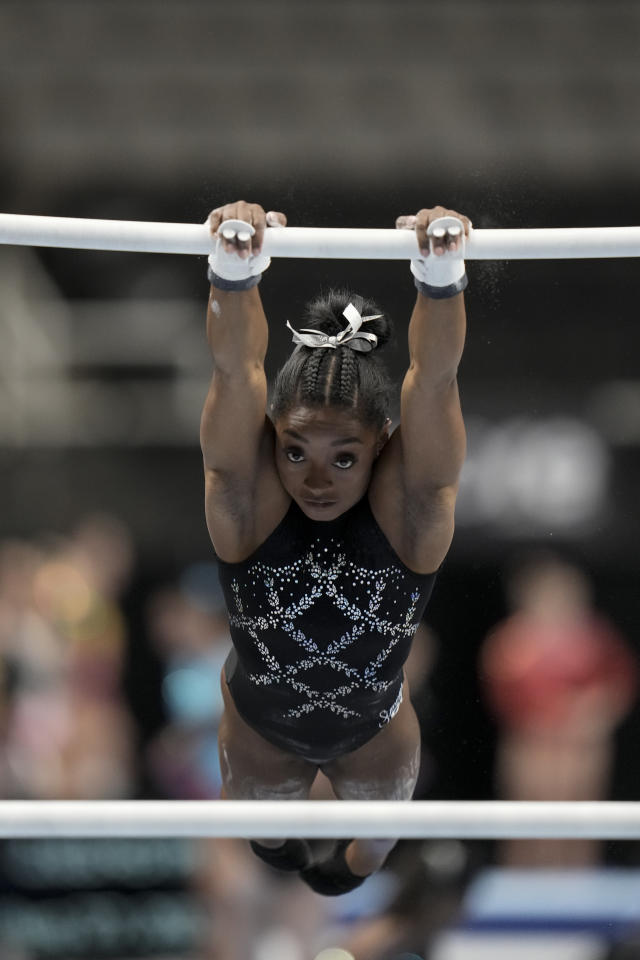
{"x":322,"y":617}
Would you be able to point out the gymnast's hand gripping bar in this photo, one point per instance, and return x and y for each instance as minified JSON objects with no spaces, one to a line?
{"x":566,"y":243}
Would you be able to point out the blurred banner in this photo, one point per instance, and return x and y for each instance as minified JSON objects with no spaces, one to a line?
{"x":99,"y":898}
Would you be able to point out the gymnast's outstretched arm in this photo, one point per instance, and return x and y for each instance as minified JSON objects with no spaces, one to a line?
{"x":430,"y":406}
{"x":234,"y":430}
{"x":426,"y":453}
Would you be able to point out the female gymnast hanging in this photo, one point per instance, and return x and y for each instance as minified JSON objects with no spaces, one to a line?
{"x":329,"y":528}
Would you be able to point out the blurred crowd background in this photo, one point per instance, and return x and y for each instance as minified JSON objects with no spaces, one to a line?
{"x":112,"y":631}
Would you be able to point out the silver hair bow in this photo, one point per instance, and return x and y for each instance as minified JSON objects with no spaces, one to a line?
{"x":352,"y":336}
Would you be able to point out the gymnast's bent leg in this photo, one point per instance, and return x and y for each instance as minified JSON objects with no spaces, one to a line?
{"x":385,"y":768}
{"x":254,"y":769}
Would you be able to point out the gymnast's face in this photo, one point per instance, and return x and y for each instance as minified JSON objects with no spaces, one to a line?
{"x":325,"y":456}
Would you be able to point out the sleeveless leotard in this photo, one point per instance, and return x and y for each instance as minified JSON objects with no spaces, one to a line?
{"x":322,"y":617}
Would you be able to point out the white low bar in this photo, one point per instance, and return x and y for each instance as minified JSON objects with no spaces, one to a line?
{"x":317,"y":242}
{"x":418,"y":819}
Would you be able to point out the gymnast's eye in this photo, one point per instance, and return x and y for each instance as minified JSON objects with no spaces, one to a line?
{"x":345,"y":460}
{"x":294,"y":454}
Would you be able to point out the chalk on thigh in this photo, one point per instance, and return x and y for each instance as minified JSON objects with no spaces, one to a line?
{"x":254,"y":769}
{"x":386,"y":767}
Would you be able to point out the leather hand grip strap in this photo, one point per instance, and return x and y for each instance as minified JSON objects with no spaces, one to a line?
{"x":227,"y":270}
{"x":442,"y":276}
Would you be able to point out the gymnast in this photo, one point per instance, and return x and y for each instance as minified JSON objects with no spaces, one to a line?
{"x":328,"y":527}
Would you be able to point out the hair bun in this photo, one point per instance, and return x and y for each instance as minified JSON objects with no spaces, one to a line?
{"x":325,"y":314}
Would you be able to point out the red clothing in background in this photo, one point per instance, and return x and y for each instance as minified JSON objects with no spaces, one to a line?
{"x":535,"y":672}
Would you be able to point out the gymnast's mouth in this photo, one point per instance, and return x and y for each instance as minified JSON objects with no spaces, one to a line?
{"x":319,"y":503}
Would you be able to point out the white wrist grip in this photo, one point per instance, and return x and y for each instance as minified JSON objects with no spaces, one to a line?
{"x":229,"y":265}
{"x":446,"y":269}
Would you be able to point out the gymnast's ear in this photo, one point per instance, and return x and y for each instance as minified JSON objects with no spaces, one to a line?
{"x":384,"y":436}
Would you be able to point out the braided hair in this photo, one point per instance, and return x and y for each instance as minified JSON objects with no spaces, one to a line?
{"x":318,"y":377}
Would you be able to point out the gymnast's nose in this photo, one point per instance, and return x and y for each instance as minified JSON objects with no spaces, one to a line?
{"x":317,"y":481}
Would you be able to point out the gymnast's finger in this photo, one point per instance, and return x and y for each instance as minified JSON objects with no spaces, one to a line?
{"x":253,"y":214}
{"x":424,"y":218}
{"x":276,"y":219}
{"x":454,"y":240}
{"x":405,"y":222}
{"x":214,"y":220}
{"x":230,"y":211}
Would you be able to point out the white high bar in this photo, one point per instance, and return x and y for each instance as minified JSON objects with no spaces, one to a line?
{"x":265,"y":818}
{"x":317,"y":242}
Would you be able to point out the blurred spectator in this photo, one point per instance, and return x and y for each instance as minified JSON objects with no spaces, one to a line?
{"x":189,"y":630}
{"x":559,"y":678}
{"x":36,"y":714}
{"x":67,"y":732}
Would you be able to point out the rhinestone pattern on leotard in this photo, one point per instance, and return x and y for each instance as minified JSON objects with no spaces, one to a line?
{"x":322,"y":617}
{"x":286,"y":599}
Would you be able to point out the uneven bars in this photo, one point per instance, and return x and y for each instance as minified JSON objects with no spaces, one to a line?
{"x":565,"y":243}
{"x":417,"y":819}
